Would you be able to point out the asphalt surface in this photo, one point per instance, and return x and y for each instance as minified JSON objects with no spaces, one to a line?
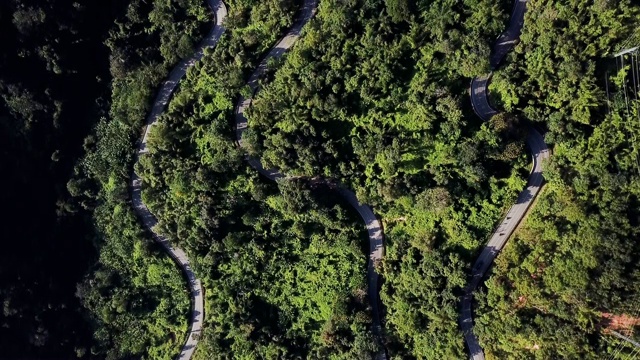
{"x":147,"y":219}
{"x":539,"y":153}
{"x":374,"y":229}
{"x":510,"y":36}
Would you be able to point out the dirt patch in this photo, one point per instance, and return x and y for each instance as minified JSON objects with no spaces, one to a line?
{"x":533,"y":347}
{"x":618,"y":322}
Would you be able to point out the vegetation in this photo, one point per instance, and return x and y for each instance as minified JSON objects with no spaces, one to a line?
{"x":576,"y":255}
{"x":374,"y":95}
{"x":137,"y":299}
{"x":379,"y":101}
{"x":283,"y":264}
{"x":52,"y":69}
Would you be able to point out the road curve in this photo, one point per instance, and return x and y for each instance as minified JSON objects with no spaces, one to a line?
{"x":539,"y":153}
{"x":148,"y":220}
{"x":374,"y":229}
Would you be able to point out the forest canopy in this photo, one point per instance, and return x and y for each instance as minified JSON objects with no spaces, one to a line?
{"x":375,"y":96}
{"x":574,"y":262}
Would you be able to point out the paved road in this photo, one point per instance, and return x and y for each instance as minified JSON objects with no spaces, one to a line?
{"x":508,"y":38}
{"x":148,"y":220}
{"x":539,"y":152}
{"x":374,"y":229}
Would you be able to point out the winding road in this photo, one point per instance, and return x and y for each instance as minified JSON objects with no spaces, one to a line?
{"x":148,"y":220}
{"x":374,"y":229}
{"x":539,"y":152}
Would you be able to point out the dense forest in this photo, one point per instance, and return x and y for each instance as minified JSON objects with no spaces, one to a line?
{"x":395,"y":125}
{"x":282,"y":264}
{"x":379,"y":101}
{"x":135,"y":294}
{"x":53,"y":68}
{"x":55,"y":83}
{"x":375,"y":95}
{"x":572,"y":268}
